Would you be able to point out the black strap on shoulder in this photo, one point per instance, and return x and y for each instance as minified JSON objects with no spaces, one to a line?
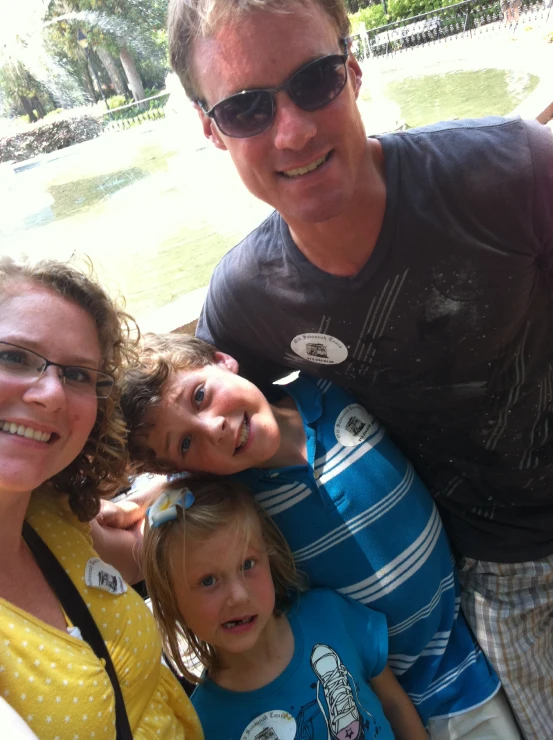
{"x":78,"y":613}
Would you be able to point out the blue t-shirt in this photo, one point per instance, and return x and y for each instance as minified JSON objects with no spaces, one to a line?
{"x":322,"y":693}
{"x":360,"y":521}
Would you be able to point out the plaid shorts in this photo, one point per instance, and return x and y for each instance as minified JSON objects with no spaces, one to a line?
{"x":510,"y":609}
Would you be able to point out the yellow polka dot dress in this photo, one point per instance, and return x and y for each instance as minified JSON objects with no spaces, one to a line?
{"x":56,"y":682}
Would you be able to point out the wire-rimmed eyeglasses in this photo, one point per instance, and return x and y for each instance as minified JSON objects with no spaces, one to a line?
{"x":250,"y":112}
{"x":28,"y":365}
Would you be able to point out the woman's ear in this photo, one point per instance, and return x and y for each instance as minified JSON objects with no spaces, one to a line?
{"x":221,"y":358}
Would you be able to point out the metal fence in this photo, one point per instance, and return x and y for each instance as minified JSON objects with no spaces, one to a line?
{"x":468,"y":17}
{"x":126,"y":116}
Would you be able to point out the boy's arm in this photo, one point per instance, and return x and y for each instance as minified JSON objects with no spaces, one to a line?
{"x":398,"y":708}
{"x":131,"y":510}
{"x":120,"y":548}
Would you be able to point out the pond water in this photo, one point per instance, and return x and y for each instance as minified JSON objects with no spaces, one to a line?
{"x":456,"y":94}
{"x":156,"y":207}
{"x":153,"y":219}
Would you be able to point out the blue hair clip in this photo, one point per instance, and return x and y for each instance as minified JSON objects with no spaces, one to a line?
{"x":165,"y":508}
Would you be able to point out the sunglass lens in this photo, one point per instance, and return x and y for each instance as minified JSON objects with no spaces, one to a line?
{"x":318,"y":83}
{"x":245,"y":114}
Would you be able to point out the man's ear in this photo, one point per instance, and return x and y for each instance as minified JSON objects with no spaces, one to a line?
{"x":210,"y":129}
{"x":355,"y":68}
{"x":221,"y":358}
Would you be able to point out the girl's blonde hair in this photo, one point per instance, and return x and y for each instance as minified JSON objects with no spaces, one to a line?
{"x":100,"y":469}
{"x":219,"y":503}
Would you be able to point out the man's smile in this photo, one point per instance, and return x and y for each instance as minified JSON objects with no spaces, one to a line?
{"x":306,"y":168}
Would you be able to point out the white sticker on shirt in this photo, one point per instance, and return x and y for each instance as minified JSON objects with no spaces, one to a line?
{"x":98,"y":574}
{"x":354,"y":425}
{"x":274,"y":725}
{"x":320,"y":348}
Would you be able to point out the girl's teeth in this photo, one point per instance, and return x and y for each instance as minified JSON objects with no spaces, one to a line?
{"x":236,"y":622}
{"x":27,"y":432}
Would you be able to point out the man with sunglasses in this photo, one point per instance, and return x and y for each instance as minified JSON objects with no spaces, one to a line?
{"x":415,"y":269}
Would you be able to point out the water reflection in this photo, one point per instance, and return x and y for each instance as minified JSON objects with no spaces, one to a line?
{"x":156,"y":207}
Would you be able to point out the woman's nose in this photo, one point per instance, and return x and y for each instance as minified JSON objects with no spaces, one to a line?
{"x":48,"y":389}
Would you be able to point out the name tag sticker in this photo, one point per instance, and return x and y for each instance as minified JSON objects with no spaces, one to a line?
{"x":105,"y":577}
{"x":323,"y":349}
{"x":353,"y":425}
{"x":276,"y":724}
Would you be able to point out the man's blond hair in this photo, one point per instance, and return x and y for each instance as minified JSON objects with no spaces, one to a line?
{"x":192,"y":19}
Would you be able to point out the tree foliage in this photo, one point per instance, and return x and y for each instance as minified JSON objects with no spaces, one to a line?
{"x":128,"y":33}
{"x":374,"y":15}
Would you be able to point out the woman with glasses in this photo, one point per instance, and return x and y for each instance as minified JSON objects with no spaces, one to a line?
{"x":80,"y":653}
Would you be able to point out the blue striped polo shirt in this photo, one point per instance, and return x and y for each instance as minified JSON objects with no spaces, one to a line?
{"x":359,"y":520}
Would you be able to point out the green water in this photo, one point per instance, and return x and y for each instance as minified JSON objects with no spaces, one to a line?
{"x":156,"y":207}
{"x":463,"y":94}
{"x":154,"y":220}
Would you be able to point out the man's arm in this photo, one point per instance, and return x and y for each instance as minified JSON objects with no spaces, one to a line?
{"x":540,"y":139}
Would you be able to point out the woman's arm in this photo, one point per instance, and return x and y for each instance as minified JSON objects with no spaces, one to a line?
{"x":398,"y":708}
{"x":13,"y":726}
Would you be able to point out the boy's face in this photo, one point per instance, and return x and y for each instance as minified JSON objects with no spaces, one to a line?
{"x":212,"y":420}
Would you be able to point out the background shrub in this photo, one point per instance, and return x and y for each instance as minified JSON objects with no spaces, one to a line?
{"x":48,"y":137}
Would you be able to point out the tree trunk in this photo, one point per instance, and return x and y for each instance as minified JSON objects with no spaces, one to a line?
{"x":97,"y":94}
{"x":111,"y":68}
{"x":133,"y":78}
{"x":37,"y":105}
{"x":89,"y":84}
{"x":28,"y":108}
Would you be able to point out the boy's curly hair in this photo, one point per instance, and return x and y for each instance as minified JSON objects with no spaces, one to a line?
{"x":159,"y":356}
{"x":100,"y":468}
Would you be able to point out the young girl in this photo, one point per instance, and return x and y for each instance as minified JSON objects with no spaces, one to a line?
{"x":279,"y":662}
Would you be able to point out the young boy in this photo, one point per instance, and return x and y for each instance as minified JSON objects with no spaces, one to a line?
{"x":355,"y":514}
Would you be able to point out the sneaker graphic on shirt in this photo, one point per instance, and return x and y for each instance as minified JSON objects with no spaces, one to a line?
{"x":342,"y":715}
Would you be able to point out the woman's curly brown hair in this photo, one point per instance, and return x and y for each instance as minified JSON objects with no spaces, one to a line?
{"x":100,"y":469}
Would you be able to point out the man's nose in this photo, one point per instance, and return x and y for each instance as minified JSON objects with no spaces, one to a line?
{"x":293,"y":127}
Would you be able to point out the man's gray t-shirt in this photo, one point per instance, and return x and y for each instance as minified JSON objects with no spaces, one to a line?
{"x":446,"y":333}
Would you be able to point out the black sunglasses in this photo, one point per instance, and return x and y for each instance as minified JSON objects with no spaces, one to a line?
{"x":310,"y":87}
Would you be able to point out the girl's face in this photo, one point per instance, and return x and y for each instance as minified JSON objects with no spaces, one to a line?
{"x":225,"y":590}
{"x":44,"y":424}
